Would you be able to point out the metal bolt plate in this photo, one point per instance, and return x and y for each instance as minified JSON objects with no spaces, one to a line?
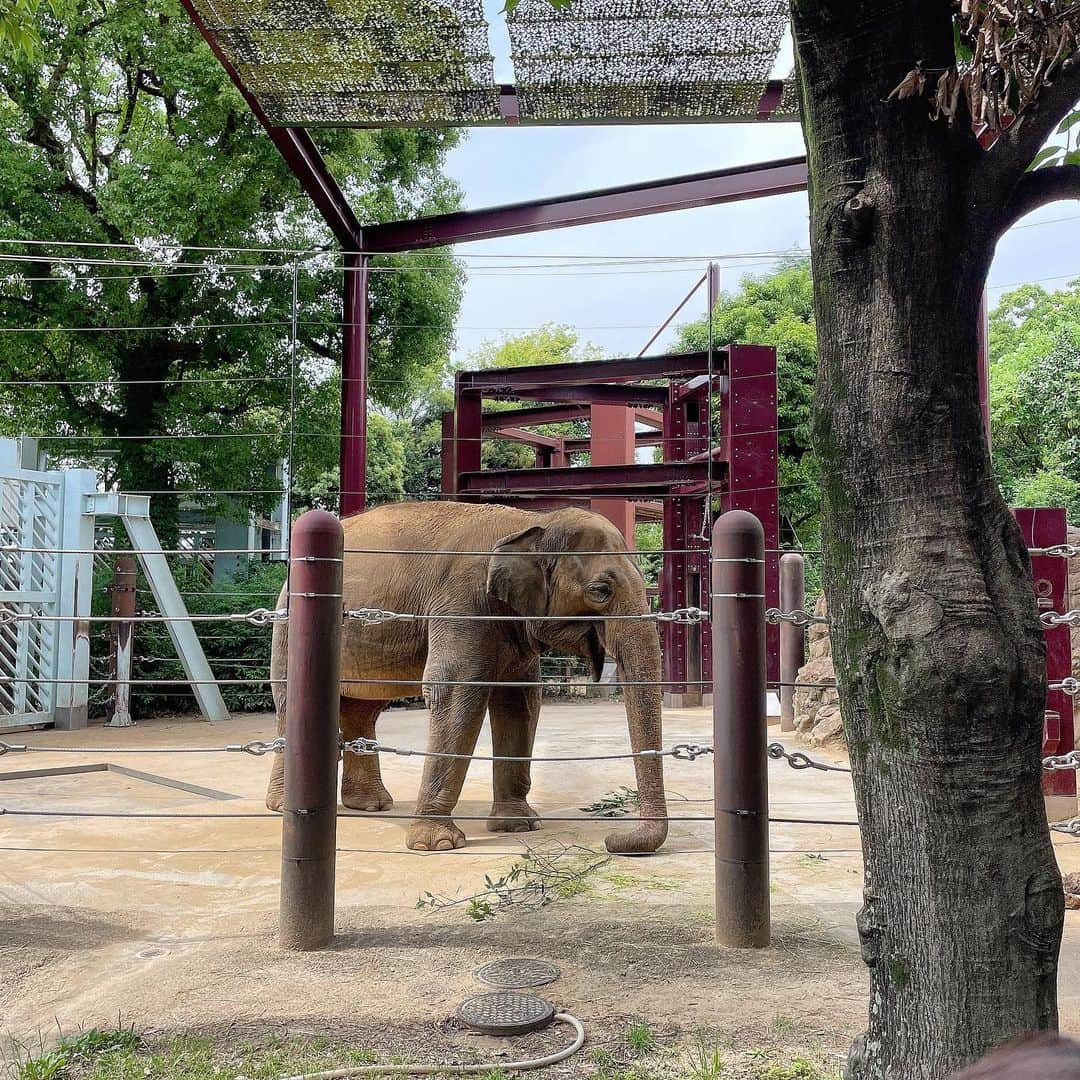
{"x":518,"y":972}
{"x":506,"y":1013}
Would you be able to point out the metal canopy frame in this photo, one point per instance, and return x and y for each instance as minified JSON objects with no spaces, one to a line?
{"x":359,"y":243}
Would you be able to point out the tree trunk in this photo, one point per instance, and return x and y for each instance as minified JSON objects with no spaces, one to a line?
{"x":936,"y":638}
{"x":145,"y":463}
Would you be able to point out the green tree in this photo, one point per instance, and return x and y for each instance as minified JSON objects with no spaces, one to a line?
{"x":551,"y":343}
{"x":778,"y":310}
{"x":1035,"y":396}
{"x":922,"y":121}
{"x":123,"y":129}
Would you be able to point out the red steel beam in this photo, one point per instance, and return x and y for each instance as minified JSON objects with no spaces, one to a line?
{"x":633,"y":369}
{"x":601,"y":394}
{"x":530,"y":438}
{"x":627,"y":480}
{"x":297,"y":148}
{"x":540,"y":414}
{"x":585,"y":208}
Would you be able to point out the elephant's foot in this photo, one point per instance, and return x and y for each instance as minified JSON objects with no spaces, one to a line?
{"x":370,"y":797}
{"x":513,"y":815}
{"x":426,"y":834}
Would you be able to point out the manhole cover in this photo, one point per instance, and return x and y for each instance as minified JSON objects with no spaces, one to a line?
{"x":517,"y":972}
{"x":505,"y":1013}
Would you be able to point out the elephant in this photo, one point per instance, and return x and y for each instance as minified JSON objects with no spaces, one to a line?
{"x":498,"y":560}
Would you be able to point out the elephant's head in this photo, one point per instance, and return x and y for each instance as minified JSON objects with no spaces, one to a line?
{"x":532,"y":573}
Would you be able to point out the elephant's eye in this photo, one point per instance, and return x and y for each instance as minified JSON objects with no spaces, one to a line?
{"x":599,"y":592}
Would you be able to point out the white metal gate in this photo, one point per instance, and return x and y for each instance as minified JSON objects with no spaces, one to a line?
{"x":29,"y":581}
{"x":44,"y":532}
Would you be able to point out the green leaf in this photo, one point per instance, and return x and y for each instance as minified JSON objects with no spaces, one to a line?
{"x":960,"y":47}
{"x":1068,"y":122}
{"x":1048,"y":155}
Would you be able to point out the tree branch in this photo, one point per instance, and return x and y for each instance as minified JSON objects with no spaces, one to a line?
{"x":1039,"y":187}
{"x":1015,"y":150}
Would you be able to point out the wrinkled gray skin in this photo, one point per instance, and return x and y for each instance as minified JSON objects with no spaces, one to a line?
{"x":521,"y":578}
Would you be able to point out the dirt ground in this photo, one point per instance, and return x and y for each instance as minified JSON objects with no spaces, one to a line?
{"x":170,"y":925}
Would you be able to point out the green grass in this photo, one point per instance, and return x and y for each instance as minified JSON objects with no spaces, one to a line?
{"x":122,"y":1055}
{"x":798,"y":1069}
{"x":706,"y":1061}
{"x":639,"y":1038}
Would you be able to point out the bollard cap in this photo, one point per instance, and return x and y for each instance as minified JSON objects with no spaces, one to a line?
{"x":317,"y":532}
{"x":738,"y":533}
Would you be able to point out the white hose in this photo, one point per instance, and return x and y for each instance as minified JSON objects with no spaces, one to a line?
{"x":430,"y":1070}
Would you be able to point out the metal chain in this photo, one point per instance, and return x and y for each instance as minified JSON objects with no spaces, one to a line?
{"x":1053,"y":618}
{"x":375,"y":616}
{"x":1068,"y":686}
{"x":257,"y":747}
{"x":799,"y":760}
{"x":798,"y":617}
{"x":1060,"y":762}
{"x":681,"y":751}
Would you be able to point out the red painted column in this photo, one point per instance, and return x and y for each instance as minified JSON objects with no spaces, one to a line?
{"x":749,"y":441}
{"x":613,"y":443}
{"x":1044,"y":527}
{"x":354,"y":375}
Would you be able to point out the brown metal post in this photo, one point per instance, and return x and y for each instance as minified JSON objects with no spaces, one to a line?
{"x":740,"y":766}
{"x":122,"y":638}
{"x":792,"y":638}
{"x":312,"y":711}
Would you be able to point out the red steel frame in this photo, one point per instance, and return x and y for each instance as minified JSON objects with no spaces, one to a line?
{"x":1044,"y":527}
{"x":692,"y":489}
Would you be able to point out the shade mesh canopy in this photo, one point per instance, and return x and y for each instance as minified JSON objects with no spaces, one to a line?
{"x":644,"y":59}
{"x":428,"y":62}
{"x":344,"y":62}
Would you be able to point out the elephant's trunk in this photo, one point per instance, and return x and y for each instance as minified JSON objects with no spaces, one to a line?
{"x":636,"y":648}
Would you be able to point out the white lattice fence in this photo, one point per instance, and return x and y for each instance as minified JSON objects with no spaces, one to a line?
{"x":41,"y":515}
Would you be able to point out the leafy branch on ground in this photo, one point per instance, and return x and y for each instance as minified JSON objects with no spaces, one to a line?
{"x":615,"y":803}
{"x":539,"y":879}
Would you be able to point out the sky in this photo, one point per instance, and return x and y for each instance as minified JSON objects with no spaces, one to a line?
{"x":618,"y":307}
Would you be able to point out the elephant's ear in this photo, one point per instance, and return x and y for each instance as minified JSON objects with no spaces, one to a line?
{"x":513,"y":577}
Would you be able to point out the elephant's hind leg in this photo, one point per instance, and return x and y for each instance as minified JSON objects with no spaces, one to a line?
{"x":514,"y":711}
{"x":361,"y":781}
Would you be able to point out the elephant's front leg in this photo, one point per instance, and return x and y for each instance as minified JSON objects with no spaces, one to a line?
{"x":457,"y":712}
{"x":514,"y":712}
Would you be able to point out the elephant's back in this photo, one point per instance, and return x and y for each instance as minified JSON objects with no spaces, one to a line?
{"x":432,"y":526}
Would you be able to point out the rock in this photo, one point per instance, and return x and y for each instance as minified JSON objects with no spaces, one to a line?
{"x":828,"y":728}
{"x":1071,"y":883}
{"x":817,"y":707}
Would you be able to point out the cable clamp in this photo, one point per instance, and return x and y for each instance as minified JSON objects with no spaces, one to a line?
{"x":371,"y":616}
{"x":257,"y":747}
{"x":689,"y":751}
{"x":262,"y":616}
{"x":360,"y":746}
